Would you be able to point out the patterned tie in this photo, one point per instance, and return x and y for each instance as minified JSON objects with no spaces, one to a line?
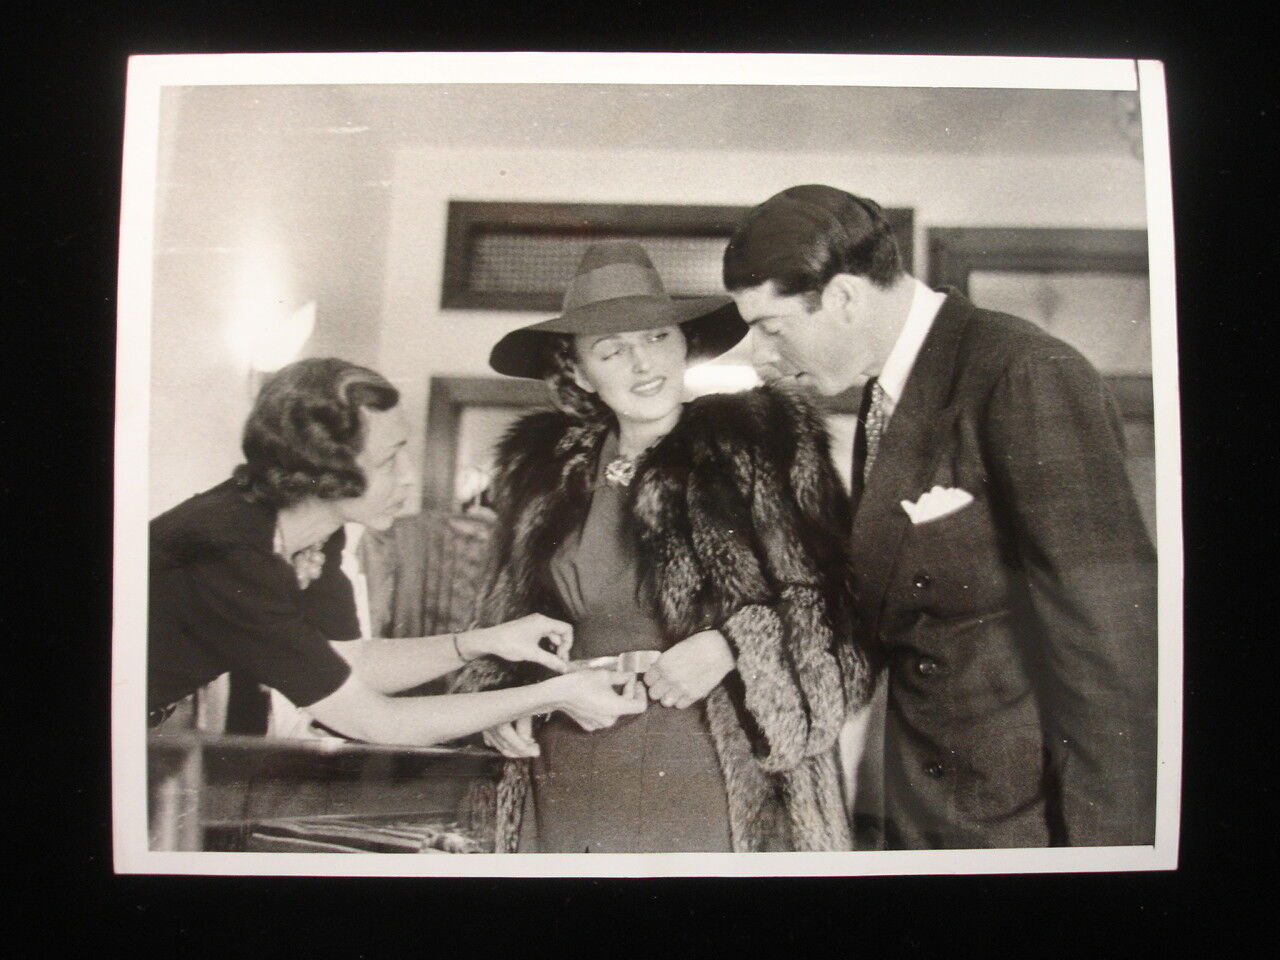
{"x":877,"y":418}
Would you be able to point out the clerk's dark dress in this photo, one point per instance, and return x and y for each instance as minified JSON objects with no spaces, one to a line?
{"x":222,"y":600}
{"x":651,"y":782}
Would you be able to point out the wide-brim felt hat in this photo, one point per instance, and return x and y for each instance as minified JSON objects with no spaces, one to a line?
{"x":616,"y":290}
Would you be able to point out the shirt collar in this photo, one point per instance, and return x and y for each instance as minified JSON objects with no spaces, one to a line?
{"x":353,"y":531}
{"x":925,"y":304}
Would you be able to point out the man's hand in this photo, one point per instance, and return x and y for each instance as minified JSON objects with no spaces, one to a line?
{"x":521,"y":640}
{"x":514,"y":739}
{"x":690,"y":670}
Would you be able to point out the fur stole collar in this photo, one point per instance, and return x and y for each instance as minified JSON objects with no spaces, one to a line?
{"x":741,"y":525}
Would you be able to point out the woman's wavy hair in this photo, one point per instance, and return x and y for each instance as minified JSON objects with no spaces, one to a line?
{"x":565,"y":392}
{"x":305,"y":431}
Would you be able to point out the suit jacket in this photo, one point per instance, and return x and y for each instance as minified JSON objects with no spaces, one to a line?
{"x":1018,"y":632}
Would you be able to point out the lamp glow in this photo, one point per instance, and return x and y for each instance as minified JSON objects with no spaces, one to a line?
{"x":266,"y":343}
{"x":720,"y":378}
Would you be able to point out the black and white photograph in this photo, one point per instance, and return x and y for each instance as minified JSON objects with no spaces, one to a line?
{"x":639,"y":465}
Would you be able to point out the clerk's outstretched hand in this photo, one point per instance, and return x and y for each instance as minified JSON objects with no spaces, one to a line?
{"x":521,"y":639}
{"x":514,"y":739}
{"x":591,"y":700}
{"x":588,"y":696}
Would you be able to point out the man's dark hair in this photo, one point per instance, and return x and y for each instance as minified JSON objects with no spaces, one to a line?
{"x":802,"y":237}
{"x":305,"y":431}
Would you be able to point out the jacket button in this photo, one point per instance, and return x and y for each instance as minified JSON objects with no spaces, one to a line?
{"x":922,"y":580}
{"x":928,"y":667}
{"x":935,"y":770}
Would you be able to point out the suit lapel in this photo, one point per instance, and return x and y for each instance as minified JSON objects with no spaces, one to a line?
{"x":907,"y":453}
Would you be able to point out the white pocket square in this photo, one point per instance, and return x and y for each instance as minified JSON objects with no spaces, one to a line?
{"x":938,"y":502}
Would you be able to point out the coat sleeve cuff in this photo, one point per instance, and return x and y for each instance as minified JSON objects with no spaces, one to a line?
{"x":777,"y":722}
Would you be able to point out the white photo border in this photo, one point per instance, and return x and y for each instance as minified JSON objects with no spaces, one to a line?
{"x":149,"y":75}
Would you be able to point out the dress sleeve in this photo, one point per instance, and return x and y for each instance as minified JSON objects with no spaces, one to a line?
{"x":247,"y":610}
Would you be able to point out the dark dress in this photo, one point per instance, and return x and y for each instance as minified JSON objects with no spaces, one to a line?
{"x":651,"y":782}
{"x":222,"y":600}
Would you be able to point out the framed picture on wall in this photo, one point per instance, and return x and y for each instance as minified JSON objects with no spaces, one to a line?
{"x":512,"y":255}
{"x":466,"y":416}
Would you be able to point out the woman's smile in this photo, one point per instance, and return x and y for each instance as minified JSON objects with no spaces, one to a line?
{"x":650,"y":387}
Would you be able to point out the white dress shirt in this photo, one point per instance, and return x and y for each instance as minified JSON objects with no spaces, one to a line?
{"x":359,"y":583}
{"x":867,"y":725}
{"x":925,"y":304}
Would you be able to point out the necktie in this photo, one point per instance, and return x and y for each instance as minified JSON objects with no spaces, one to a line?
{"x":876,"y":419}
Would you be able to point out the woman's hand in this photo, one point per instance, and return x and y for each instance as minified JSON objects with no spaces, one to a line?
{"x":520,"y":640}
{"x":514,"y":739}
{"x":588,"y":697}
{"x":688,"y":671}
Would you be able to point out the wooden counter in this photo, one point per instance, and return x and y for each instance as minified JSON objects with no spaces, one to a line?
{"x":203,"y":788}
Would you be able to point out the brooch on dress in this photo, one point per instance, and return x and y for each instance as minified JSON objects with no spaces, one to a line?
{"x":620,"y":471}
{"x":307,"y":563}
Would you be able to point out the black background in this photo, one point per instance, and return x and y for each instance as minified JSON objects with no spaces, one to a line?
{"x":67,"y":72}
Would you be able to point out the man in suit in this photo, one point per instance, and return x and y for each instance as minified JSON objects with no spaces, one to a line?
{"x":1002,"y":568}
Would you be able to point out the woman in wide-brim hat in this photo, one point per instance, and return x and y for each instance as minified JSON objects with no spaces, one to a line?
{"x":707,"y":539}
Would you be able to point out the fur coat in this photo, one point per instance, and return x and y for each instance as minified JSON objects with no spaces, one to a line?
{"x":741,"y":525}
